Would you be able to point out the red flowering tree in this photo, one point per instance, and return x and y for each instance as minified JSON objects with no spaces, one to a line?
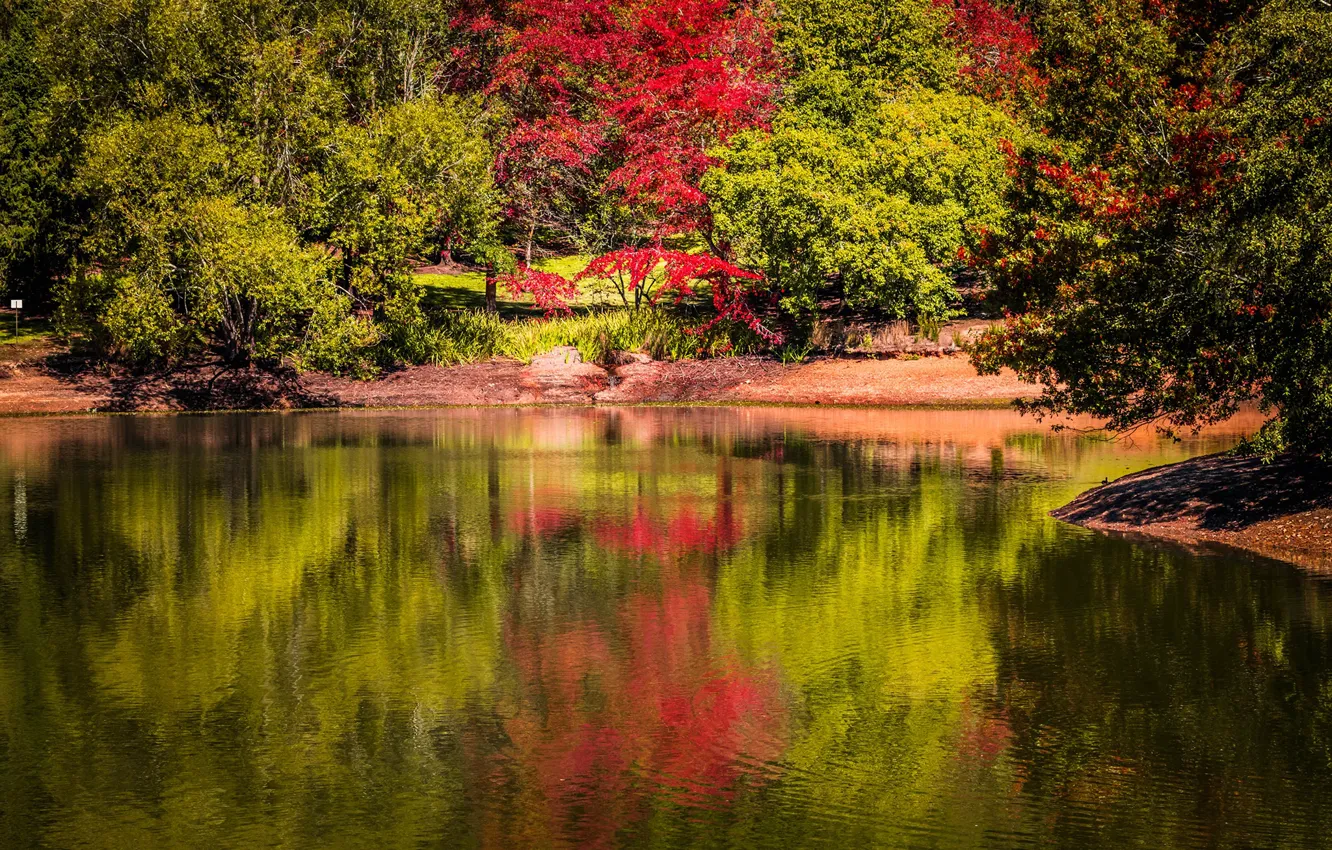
{"x":551,"y":292}
{"x":644,"y":276}
{"x":615,"y":104}
{"x":999,"y":50}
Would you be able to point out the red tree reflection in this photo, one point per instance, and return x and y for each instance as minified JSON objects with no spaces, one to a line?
{"x":622,"y":710}
{"x":683,"y":534}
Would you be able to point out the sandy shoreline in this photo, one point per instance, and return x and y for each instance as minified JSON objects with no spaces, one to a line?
{"x":1282,"y":510}
{"x":559,"y":377}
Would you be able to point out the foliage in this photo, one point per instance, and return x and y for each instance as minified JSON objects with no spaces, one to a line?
{"x":1143,"y":187}
{"x":614,"y":106}
{"x":643,"y":276}
{"x":336,"y":340}
{"x":221,"y":166}
{"x":550,"y":291}
{"x":878,"y":212}
{"x":1266,"y":444}
{"x":1275,"y":241}
{"x":880,"y":168}
{"x":999,"y":49}
{"x":469,"y":336}
{"x":235,"y":278}
{"x":136,"y":321}
{"x":416,"y":180}
{"x":1190,"y":273}
{"x":247,"y":283}
{"x":844,"y":54}
{"x":31,"y":205}
{"x":599,"y":335}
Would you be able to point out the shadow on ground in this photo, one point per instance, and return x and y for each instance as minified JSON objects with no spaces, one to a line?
{"x":190,"y":386}
{"x":1217,"y":493}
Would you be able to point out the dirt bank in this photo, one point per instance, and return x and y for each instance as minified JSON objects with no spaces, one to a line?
{"x":1282,"y":510}
{"x":44,"y":383}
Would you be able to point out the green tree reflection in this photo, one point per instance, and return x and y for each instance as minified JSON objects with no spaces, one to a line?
{"x":635,"y":627}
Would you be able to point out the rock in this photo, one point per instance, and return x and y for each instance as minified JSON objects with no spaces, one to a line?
{"x":627,"y":358}
{"x":561,"y":377}
{"x":560,"y":355}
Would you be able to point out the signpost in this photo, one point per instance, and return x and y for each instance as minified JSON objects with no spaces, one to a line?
{"x":16,"y":304}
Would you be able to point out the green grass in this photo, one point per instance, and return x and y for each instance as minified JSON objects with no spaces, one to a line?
{"x":30,"y":330}
{"x":467,"y":290}
{"x":568,"y":266}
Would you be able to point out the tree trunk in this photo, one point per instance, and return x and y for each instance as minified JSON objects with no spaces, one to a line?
{"x":492,"y":303}
{"x":493,"y":491}
{"x":531,"y":231}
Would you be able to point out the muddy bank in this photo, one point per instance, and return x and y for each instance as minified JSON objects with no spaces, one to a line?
{"x":1282,"y":510}
{"x":47,"y":384}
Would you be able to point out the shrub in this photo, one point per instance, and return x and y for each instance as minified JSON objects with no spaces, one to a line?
{"x":120,"y":315}
{"x":408,"y":336}
{"x":468,"y":336}
{"x":663,"y":335}
{"x":138,"y":323}
{"x":1266,"y":444}
{"x":338,"y":341}
{"x":241,"y":274}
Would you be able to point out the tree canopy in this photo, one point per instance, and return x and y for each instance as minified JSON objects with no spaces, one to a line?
{"x":1140,"y":188}
{"x":1170,"y":261}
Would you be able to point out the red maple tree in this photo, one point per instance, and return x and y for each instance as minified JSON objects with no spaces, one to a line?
{"x":643,"y":276}
{"x":999,"y":50}
{"x":623,"y":97}
{"x":551,"y":292}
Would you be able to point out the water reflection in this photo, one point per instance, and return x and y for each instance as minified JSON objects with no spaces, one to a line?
{"x":732,"y":627}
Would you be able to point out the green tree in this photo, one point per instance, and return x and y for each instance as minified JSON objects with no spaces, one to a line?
{"x":30,"y":204}
{"x":844,"y":53}
{"x":877,"y":170}
{"x":175,"y":260}
{"x":1179,"y":287}
{"x":416,"y":180}
{"x":879,"y":209}
{"x":145,"y":139}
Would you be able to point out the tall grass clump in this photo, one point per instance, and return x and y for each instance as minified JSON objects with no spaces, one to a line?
{"x":466,"y":336}
{"x":598,"y":335}
{"x":408,"y":335}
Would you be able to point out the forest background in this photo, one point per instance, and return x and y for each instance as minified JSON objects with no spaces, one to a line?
{"x":1140,"y":190}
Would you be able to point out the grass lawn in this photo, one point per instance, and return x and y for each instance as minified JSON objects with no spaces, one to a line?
{"x":460,"y":291}
{"x":29,"y":330}
{"x":468,"y":289}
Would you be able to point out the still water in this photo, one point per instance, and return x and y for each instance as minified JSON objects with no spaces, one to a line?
{"x":634,"y":627}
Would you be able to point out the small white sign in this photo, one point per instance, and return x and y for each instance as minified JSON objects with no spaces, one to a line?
{"x":16,"y":304}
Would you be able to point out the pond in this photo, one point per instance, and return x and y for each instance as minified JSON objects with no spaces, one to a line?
{"x":632,"y":627}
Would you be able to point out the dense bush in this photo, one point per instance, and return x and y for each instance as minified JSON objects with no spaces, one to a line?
{"x":1173,"y":274}
{"x":875,"y":212}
